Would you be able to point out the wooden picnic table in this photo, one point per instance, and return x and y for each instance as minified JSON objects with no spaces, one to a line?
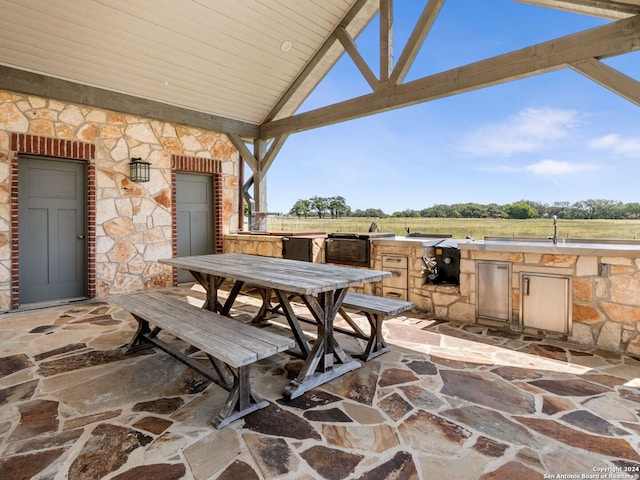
{"x":322,"y":288}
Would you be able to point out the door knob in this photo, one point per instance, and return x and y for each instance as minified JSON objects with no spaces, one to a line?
{"x":80,"y":237}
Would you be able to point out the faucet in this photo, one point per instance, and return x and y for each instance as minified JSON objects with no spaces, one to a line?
{"x":554,"y":238}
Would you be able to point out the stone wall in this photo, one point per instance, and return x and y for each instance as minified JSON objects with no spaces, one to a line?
{"x":267,"y":245}
{"x":132,"y":221}
{"x":450,"y":302}
{"x":264,"y":245}
{"x":605,"y":297}
{"x":605,"y":300}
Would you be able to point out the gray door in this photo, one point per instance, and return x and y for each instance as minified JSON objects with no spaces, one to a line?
{"x":194,"y":215}
{"x":52,"y":224}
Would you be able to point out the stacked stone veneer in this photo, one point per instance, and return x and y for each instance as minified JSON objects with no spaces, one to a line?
{"x":131,"y":225}
{"x":267,"y":245}
{"x":605,"y":293}
{"x":605,"y":289}
{"x":442,"y":301}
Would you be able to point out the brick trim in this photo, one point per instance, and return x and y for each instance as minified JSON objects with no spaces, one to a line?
{"x":182,"y":163}
{"x":53,"y":148}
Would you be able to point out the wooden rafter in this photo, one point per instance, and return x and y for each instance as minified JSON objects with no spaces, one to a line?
{"x":272,"y":152}
{"x":609,"y":40}
{"x":611,"y":9}
{"x":244,"y":151}
{"x":31,"y":83}
{"x":420,"y":32}
{"x":315,"y":61}
{"x":259,"y":166}
{"x":610,"y":78}
{"x":352,"y":50}
{"x":386,"y":39}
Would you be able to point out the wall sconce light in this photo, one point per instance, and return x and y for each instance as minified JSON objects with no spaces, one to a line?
{"x":139,"y":170}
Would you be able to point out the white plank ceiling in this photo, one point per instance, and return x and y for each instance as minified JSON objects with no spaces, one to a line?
{"x":220,"y":57}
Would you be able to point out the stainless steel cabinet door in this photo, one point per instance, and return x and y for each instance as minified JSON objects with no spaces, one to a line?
{"x":494,"y":290}
{"x":545,"y":302}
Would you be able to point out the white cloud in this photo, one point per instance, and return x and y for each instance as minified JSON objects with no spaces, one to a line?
{"x":556,"y":167}
{"x":617,"y":145}
{"x":529,"y":130}
{"x":547,"y":167}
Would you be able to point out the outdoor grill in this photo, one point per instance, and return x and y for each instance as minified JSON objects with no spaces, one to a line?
{"x":441,"y":260}
{"x":447,"y":258}
{"x":300,"y":247}
{"x":351,"y":248}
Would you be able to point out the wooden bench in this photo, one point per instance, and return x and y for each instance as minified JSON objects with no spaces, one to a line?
{"x":230,"y":345}
{"x":376,"y":309}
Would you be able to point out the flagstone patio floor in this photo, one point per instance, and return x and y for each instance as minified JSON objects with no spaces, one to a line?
{"x":449,"y":401}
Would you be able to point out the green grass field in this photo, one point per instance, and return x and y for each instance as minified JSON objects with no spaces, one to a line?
{"x":473,"y":227}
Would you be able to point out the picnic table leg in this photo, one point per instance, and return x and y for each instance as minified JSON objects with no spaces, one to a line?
{"x":233,"y":294}
{"x":266,"y":306}
{"x":210,"y":283}
{"x":294,"y":324}
{"x":326,"y":360}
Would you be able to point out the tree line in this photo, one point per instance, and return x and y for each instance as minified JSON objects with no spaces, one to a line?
{"x":337,"y":207}
{"x":321,"y":206}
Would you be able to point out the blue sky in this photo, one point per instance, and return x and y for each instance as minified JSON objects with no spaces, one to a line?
{"x":552,"y":137}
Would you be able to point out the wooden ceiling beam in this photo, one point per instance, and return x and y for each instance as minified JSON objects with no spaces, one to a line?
{"x":386,"y":39}
{"x":244,"y":151}
{"x":608,"y":40}
{"x":610,"y":78}
{"x":30,"y":83}
{"x":418,"y":35}
{"x":610,"y":9}
{"x":349,"y":45}
{"x":315,"y":61}
{"x":272,"y":153}
{"x":259,"y":166}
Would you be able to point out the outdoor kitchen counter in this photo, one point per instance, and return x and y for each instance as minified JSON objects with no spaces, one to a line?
{"x":561,"y":248}
{"x":418,"y":241}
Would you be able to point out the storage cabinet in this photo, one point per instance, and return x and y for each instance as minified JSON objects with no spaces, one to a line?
{"x":494,"y":290}
{"x":545,"y":302}
{"x":397,"y":285}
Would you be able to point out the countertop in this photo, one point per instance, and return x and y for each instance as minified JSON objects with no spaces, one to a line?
{"x":421,"y":241}
{"x":561,"y":248}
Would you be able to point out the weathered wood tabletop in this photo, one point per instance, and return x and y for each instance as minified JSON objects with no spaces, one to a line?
{"x":322,"y":287}
{"x":293,"y":276}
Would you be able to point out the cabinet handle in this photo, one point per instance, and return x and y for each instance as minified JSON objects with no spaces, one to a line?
{"x":526,"y":285}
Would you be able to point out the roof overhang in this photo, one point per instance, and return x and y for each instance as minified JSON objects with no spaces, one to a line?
{"x":245,"y":67}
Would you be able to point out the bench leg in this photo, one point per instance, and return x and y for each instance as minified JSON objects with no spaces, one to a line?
{"x":357,"y":331}
{"x":241,"y":401}
{"x":139,"y":340}
{"x":376,"y":344}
